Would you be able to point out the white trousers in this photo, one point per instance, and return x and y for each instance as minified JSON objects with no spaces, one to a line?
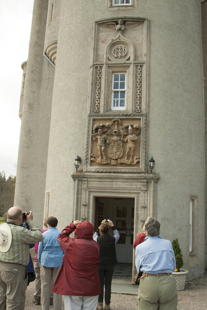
{"x":80,"y":302}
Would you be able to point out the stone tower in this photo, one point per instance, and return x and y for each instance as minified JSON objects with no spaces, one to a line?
{"x":112,"y":83}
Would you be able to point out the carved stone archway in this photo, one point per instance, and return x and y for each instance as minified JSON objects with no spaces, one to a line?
{"x":142,"y":188}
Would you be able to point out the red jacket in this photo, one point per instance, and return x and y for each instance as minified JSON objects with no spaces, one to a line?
{"x":79,"y":273}
{"x":139,"y":239}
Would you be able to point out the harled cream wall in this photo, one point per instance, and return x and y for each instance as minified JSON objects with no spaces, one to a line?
{"x":176,"y":108}
{"x":176,"y":119}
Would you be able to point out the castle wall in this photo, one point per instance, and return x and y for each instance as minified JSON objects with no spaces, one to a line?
{"x":175,"y":117}
{"x":164,"y":39}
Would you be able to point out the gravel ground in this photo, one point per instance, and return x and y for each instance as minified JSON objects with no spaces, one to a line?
{"x":194,"y":297}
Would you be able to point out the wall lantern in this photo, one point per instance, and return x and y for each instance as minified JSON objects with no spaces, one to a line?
{"x":151,"y":164}
{"x":77,"y":162}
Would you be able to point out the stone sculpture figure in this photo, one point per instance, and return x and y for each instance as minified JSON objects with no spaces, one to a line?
{"x":130,"y":139}
{"x":101,"y":147}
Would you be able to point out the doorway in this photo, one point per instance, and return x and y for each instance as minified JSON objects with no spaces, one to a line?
{"x":121,"y":212}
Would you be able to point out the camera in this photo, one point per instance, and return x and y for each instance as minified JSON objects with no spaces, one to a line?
{"x":24,"y":216}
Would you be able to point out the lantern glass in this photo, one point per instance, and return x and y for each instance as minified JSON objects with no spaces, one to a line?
{"x":151,"y":163}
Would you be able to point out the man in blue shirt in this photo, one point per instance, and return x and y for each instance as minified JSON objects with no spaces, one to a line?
{"x":50,"y":257}
{"x":155,"y":258}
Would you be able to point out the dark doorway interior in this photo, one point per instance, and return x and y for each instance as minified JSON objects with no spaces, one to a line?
{"x":121,"y":212}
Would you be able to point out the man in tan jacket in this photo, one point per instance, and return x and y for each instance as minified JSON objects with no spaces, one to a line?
{"x":14,"y":256}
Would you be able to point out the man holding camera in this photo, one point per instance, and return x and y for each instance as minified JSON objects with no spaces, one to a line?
{"x":14,"y":257}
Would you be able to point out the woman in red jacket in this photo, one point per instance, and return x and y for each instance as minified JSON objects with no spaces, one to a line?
{"x":78,"y":280}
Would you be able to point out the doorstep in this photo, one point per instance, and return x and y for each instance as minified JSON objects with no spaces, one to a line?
{"x":124,"y":286}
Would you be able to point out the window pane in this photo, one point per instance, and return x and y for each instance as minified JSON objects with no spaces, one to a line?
{"x":118,"y":99}
{"x":122,"y":77}
{"x":116,"y":85}
{"x":122,"y":103}
{"x":121,"y":2}
{"x":122,"y":85}
{"x":122,"y":94}
{"x":116,"y":77}
{"x":119,"y":81}
{"x":116,"y":94}
{"x":115,"y":103}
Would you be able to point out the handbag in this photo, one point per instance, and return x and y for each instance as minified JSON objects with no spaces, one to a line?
{"x":30,"y":277}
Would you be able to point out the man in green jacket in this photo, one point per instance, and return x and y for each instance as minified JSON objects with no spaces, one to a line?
{"x":14,"y":256}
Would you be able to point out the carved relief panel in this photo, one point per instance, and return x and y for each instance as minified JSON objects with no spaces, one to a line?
{"x":115,"y":142}
{"x":132,"y":34}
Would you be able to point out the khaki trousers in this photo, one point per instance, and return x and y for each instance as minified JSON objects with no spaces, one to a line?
{"x":157,"y":293}
{"x":12,"y":286}
{"x":48,"y":276}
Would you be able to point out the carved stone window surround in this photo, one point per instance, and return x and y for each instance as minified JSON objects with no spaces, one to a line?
{"x":124,"y":18}
{"x":137,"y":52}
{"x":101,"y":90}
{"x":97,"y":88}
{"x":119,"y":91}
{"x":109,"y":70}
{"x":138,"y":88}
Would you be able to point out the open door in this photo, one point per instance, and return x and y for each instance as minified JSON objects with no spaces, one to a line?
{"x":121,"y":212}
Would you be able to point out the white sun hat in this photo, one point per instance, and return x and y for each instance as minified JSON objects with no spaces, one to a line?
{"x":5,"y":237}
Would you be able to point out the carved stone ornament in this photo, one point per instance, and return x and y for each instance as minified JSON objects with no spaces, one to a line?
{"x":138,"y":104}
{"x":120,"y":25}
{"x":118,"y":50}
{"x":115,"y":142}
{"x":97,"y":99}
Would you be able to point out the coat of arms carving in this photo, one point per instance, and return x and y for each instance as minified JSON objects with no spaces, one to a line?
{"x":115,"y":142}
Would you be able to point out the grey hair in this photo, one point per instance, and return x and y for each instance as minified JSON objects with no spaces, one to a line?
{"x":152,"y":226}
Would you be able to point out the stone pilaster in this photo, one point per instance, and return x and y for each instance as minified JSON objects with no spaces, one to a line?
{"x":29,"y":184}
{"x":204,"y":37}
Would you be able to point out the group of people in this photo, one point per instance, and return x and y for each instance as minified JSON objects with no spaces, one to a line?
{"x":79,"y":269}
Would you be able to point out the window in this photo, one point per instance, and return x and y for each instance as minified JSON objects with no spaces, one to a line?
{"x":192,"y":218}
{"x":121,"y":2}
{"x":119,"y":91}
